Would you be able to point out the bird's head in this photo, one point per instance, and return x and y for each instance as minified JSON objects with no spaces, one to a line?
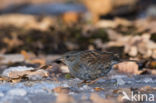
{"x":68,"y":58}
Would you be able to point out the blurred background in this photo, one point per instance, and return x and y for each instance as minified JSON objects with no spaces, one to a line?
{"x":57,"y":26}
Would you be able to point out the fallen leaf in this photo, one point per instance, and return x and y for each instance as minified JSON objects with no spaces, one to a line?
{"x":95,"y":98}
{"x":31,"y":58}
{"x":71,"y":17}
{"x":149,"y":71}
{"x":153,"y":64}
{"x":98,"y":89}
{"x":19,"y":72}
{"x":37,"y":75}
{"x":136,"y":45}
{"x":109,"y":7}
{"x":128,"y":67}
{"x":42,"y":62}
{"x":65,"y":98}
{"x":27,"y":56}
{"x":61,"y":90}
{"x":13,"y":42}
{"x":147,"y":89}
{"x":26,"y":21}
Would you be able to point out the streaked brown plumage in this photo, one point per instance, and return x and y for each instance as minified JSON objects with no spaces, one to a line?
{"x":89,"y":65}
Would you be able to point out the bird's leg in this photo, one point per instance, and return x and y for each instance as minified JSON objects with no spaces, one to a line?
{"x":92,"y":82}
{"x":87,"y":82}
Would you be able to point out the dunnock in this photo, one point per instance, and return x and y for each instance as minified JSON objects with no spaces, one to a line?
{"x":89,"y":65}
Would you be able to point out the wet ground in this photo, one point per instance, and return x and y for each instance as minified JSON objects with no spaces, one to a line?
{"x":42,"y":91}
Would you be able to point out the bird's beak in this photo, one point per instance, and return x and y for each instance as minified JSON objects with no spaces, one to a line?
{"x":59,"y":60}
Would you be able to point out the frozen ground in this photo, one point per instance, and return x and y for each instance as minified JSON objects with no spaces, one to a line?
{"x":44,"y":90}
{"x":41,"y":91}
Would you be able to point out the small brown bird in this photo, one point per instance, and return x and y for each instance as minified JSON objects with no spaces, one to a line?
{"x":89,"y":65}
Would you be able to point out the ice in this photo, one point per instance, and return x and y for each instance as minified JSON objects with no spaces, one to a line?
{"x":148,"y":80}
{"x":118,"y":76}
{"x":86,"y":87}
{"x":36,"y":90}
{"x":65,"y":85}
{"x":120,"y":81}
{"x":1,"y":94}
{"x":17,"y":92}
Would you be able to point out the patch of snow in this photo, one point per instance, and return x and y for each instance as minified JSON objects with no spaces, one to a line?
{"x":118,"y":76}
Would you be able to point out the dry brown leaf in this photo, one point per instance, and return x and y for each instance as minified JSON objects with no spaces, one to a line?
{"x":108,"y":6}
{"x":149,"y":71}
{"x":25,"y":54}
{"x":106,"y":24}
{"x":42,"y":62}
{"x":136,"y":45}
{"x":120,"y":92}
{"x":153,"y":72}
{"x":13,"y":42}
{"x":147,"y":88}
{"x":13,"y":80}
{"x":70,"y":17}
{"x":123,"y":22}
{"x":113,"y":35}
{"x":98,"y":89}
{"x":17,"y":74}
{"x":31,"y":58}
{"x":145,"y":24}
{"x":26,"y":21}
{"x":128,"y":67}
{"x":61,"y":90}
{"x":64,"y":98}
{"x":38,"y":74}
{"x":153,"y":64}
{"x":22,"y":71}
{"x":97,"y":99}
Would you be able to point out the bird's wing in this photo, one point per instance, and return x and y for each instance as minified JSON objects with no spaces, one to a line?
{"x":96,"y":59}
